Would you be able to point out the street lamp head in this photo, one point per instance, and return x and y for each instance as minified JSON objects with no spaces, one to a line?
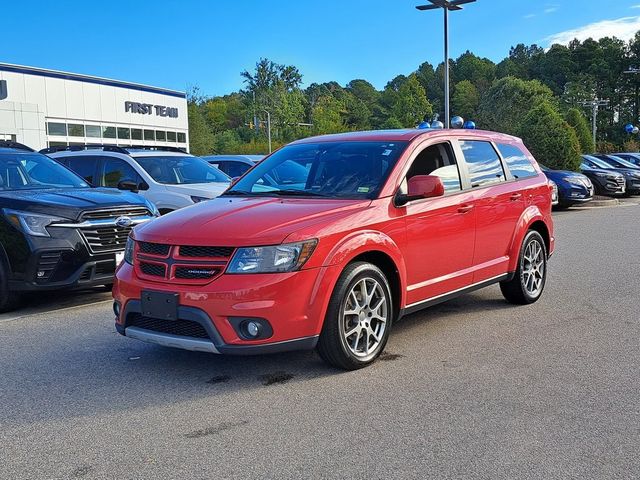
{"x":449,"y":5}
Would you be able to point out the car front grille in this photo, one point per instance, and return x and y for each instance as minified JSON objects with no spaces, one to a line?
{"x":209,"y":252}
{"x":183,"y":328}
{"x":115,"y":213}
{"x":186,"y":264}
{"x":106,"y":239}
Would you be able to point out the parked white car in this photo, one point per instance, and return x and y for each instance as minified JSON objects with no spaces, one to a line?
{"x":166,"y":176}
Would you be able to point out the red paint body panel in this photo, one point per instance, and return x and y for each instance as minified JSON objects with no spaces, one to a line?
{"x":438,"y":245}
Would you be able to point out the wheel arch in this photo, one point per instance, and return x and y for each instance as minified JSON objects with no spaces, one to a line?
{"x":531,"y":219}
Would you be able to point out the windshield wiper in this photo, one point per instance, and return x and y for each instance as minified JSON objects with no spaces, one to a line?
{"x":299,"y":193}
{"x":241,"y":193}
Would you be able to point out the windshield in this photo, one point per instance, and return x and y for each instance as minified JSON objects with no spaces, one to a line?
{"x":345,"y":169}
{"x":29,"y":171}
{"x":620,"y":162}
{"x":178,"y":170}
{"x":598,"y":162}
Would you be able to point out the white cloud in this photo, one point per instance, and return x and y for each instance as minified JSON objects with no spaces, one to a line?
{"x":529,"y":15}
{"x":623,"y":28}
{"x":550,"y":9}
{"x":635,"y":6}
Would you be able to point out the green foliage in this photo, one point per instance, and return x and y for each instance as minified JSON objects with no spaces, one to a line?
{"x":631,"y":145}
{"x":507,"y":102}
{"x":550,"y":139}
{"x":200,"y":136}
{"x":576,"y":119}
{"x":465,"y":100}
{"x":407,"y":101}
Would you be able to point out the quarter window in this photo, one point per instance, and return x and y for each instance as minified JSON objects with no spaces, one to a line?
{"x":517,"y":162}
{"x":482,"y":162}
{"x":83,"y":166}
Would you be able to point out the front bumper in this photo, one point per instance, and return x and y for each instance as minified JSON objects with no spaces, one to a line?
{"x":293,"y":304}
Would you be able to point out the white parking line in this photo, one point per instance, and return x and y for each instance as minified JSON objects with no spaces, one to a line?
{"x":41,"y":312}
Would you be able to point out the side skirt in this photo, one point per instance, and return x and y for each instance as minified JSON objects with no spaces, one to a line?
{"x":429,"y":302}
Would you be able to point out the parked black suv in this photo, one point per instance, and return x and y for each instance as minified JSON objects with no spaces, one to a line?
{"x":57,"y":231}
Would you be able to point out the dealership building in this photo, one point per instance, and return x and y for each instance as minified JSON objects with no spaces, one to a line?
{"x":42,"y":108}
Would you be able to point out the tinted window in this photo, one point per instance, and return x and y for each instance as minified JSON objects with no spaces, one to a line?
{"x":93,"y":131}
{"x":182,"y":137}
{"x":109,"y":132}
{"x":83,"y":166}
{"x":160,"y":135}
{"x":234,"y":169}
{"x":124,"y":133}
{"x":149,"y":135}
{"x":171,"y":136}
{"x":331,"y":169}
{"x":482,"y":162}
{"x":54,"y":128}
{"x":116,"y":170}
{"x":437,"y":160}
{"x":176,"y":170}
{"x":517,"y":162}
{"x":136,"y":134}
{"x":76,"y":130}
{"x":21,"y":171}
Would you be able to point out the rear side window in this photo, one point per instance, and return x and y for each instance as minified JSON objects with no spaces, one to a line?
{"x":517,"y":162}
{"x":482,"y":162}
{"x":83,"y":166}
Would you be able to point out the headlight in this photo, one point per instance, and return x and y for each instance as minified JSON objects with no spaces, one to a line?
{"x":575,"y":181}
{"x":31,"y":223}
{"x":128,"y":250}
{"x":153,"y":209}
{"x":603,"y":174}
{"x":197,"y":199}
{"x":272,"y":259}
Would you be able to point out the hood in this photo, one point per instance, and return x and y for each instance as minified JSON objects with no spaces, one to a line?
{"x":68,"y":202}
{"x":206,"y":190}
{"x":230,"y":221}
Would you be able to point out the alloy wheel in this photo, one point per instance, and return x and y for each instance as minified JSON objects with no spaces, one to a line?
{"x":533,"y":268}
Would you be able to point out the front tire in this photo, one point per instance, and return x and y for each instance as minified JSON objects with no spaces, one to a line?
{"x":530,"y":277}
{"x":359,"y":318}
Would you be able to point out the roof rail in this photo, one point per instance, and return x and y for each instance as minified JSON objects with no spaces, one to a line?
{"x":16,"y":145}
{"x":86,"y":146}
{"x":159,"y":148}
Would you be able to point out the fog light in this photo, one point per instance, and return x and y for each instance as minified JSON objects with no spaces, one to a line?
{"x":253,"y":329}
{"x":40,"y":273}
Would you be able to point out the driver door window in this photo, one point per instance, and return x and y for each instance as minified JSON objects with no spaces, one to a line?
{"x":116,"y":170}
{"x":437,"y":160}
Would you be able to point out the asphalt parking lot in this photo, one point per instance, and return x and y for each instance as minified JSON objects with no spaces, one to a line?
{"x":472,"y":388}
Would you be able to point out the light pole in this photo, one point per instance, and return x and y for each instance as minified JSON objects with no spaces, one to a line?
{"x":268,"y":128}
{"x":595,"y":104}
{"x":446,"y":5}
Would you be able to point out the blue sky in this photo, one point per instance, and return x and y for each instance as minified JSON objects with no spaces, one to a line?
{"x":179,"y":44}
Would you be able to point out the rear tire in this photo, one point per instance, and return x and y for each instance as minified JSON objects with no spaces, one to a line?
{"x":8,"y":300}
{"x":358,"y":319}
{"x":530,"y":277}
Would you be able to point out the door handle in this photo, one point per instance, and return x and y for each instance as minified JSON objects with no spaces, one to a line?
{"x":516,"y":196}
{"x":465,"y":208}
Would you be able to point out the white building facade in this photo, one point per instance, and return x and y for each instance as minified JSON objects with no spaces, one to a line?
{"x":43,"y":108}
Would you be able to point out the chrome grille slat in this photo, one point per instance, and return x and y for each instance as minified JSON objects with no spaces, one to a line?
{"x":115,"y":213}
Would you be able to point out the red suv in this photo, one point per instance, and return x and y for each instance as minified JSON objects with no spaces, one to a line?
{"x":330,"y":240}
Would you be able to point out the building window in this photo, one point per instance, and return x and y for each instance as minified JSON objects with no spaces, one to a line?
{"x":57,"y":144}
{"x":161,"y":136}
{"x":93,"y":131}
{"x":54,"y":128}
{"x":136,"y":134}
{"x":171,"y":136}
{"x":182,"y":137}
{"x":109,"y":132}
{"x":76,"y":130}
{"x":149,"y":135}
{"x":124,"y":133}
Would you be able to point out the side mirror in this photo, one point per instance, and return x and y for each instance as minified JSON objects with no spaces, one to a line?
{"x":128,"y":185}
{"x":143,"y":186}
{"x":421,"y":186}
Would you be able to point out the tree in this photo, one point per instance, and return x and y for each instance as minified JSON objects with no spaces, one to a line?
{"x":578,"y":122}
{"x":550,"y":139}
{"x":465,"y":100}
{"x":507,"y":102}
{"x":200,"y":136}
{"x":328,"y":115}
{"x":479,"y":71}
{"x":408,"y":104}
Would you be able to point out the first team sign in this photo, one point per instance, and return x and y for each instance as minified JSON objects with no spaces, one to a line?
{"x":149,"y":109}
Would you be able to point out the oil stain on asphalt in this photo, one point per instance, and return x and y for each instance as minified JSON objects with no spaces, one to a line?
{"x":276,"y":377}
{"x":389,"y":357}
{"x":215,"y":429}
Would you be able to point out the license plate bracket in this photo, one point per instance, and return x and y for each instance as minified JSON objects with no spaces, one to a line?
{"x":160,"y":305}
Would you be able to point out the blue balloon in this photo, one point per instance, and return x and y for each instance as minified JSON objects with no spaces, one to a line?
{"x":424,"y":125}
{"x":469,"y":124}
{"x":628,"y":128}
